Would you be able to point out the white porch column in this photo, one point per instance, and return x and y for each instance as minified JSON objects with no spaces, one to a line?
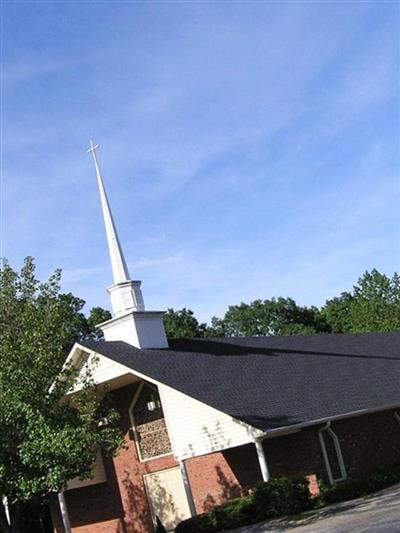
{"x":188,"y":489}
{"x":6,"y":510}
{"x":262,"y":459}
{"x":64,"y":512}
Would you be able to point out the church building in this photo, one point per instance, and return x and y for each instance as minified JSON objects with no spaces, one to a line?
{"x":207,"y":420}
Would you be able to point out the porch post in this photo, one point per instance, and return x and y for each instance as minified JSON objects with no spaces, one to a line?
{"x":262,"y":459}
{"x":6,"y":509}
{"x":188,"y":489}
{"x":64,"y":512}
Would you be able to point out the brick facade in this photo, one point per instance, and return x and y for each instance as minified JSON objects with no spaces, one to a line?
{"x":368,"y":442}
{"x":120,"y":505}
{"x":296,"y":453}
{"x":221,"y":476}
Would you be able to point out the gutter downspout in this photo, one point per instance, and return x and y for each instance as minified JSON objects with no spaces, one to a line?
{"x":324,"y":452}
{"x":343,"y":474}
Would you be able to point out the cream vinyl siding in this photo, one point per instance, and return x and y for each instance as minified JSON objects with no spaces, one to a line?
{"x":196,"y":429}
{"x":105,"y":370}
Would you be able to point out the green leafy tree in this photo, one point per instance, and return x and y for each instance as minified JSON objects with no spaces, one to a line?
{"x":182,"y":324}
{"x":97,"y":315}
{"x":374,"y":305}
{"x":278,"y":316}
{"x":46,"y":437}
{"x":337,"y":313}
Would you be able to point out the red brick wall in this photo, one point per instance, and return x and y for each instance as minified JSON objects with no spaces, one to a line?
{"x":221,"y":476}
{"x":296,"y":453}
{"x":121,"y":506}
{"x":368,"y":442}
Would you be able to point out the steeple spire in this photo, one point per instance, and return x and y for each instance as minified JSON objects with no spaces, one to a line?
{"x":125,"y":294}
{"x":118,"y":264}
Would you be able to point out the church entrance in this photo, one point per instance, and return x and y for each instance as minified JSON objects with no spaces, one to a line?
{"x":167,"y":497}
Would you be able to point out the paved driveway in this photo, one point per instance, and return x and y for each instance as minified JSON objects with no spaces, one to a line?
{"x":379,"y":513}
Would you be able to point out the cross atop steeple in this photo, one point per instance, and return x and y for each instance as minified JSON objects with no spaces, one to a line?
{"x":93,"y":147}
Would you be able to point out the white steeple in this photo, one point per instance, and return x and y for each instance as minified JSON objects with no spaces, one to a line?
{"x":131,"y":323}
{"x":125,"y":294}
{"x":118,"y":264}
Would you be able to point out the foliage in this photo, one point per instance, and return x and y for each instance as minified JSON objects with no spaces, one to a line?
{"x":45,"y":439}
{"x":35,"y":517}
{"x":355,"y":488}
{"x":374,"y":305}
{"x":278,"y":316}
{"x":285,"y":495}
{"x":235,"y":513}
{"x":280,"y":496}
{"x":201,"y":523}
{"x":96,"y":316}
{"x":182,"y":324}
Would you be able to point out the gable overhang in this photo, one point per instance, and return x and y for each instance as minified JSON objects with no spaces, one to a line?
{"x":105,"y":370}
{"x":121,"y":375}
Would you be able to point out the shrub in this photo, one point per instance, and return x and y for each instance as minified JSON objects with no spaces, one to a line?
{"x":201,"y":523}
{"x":284,"y":495}
{"x":235,"y":513}
{"x":355,"y":488}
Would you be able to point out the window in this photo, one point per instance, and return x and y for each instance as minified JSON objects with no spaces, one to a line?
{"x":332,"y":455}
{"x":148,"y":423}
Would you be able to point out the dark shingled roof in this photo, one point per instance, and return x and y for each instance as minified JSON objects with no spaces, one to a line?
{"x":272,"y":382}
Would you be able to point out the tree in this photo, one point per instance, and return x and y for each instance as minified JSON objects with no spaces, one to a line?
{"x":182,"y":324}
{"x":374,"y":305}
{"x":278,"y":316}
{"x":97,"y":315}
{"x":46,"y":436}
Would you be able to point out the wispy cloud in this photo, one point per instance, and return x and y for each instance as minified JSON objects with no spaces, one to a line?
{"x":145,"y":262}
{"x":77,"y":275}
{"x":27,"y":70}
{"x":248,"y":150}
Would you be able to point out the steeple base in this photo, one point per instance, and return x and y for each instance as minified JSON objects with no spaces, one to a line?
{"x":126,"y":296}
{"x":141,"y":329}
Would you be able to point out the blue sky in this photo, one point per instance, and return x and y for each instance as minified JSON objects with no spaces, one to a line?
{"x":249,"y":149}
